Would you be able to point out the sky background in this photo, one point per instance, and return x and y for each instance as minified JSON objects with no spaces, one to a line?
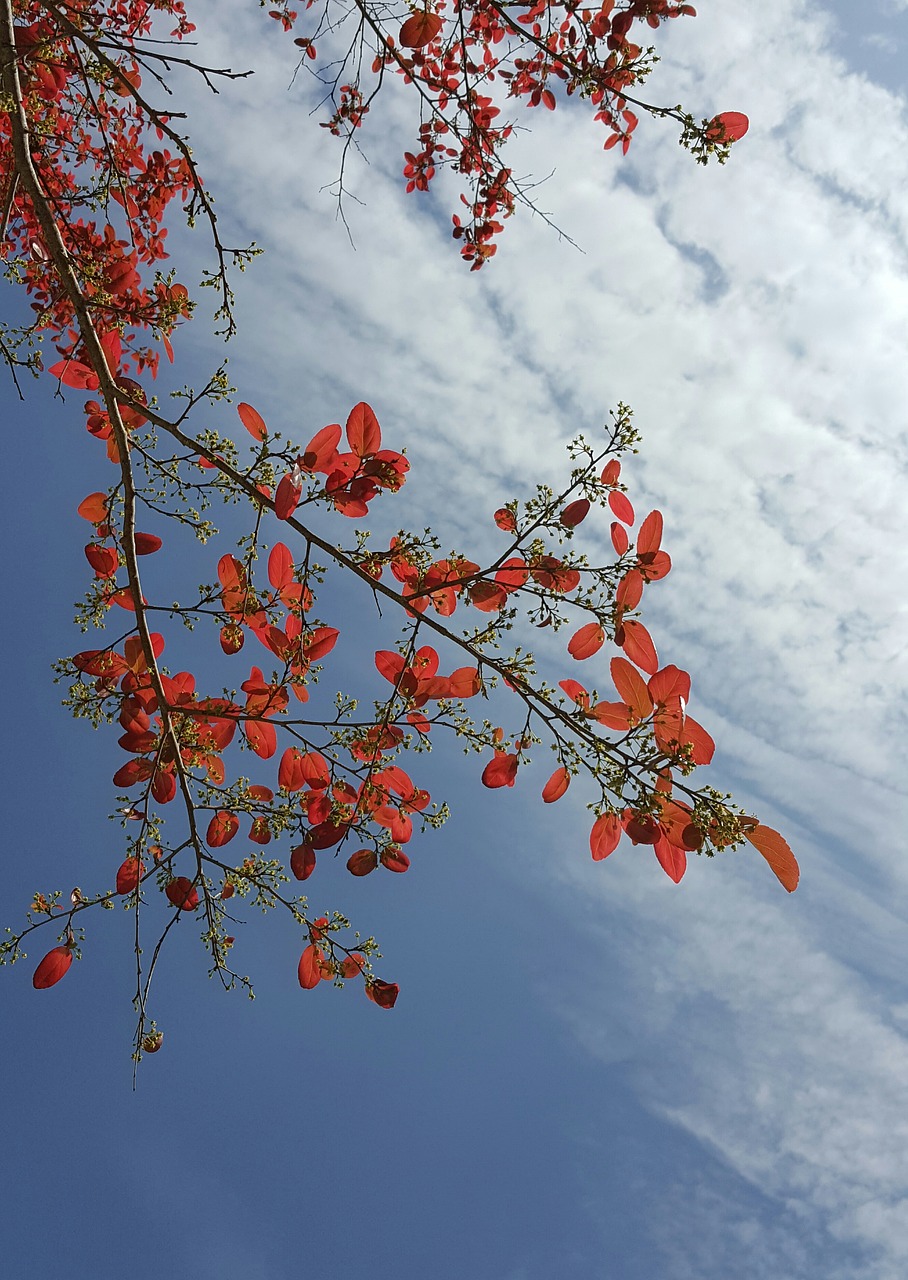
{"x":590,"y":1071}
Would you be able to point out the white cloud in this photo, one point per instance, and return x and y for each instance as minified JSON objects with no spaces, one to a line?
{"x":757,"y":318}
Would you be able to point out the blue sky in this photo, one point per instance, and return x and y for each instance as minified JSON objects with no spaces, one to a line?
{"x":590,"y":1072}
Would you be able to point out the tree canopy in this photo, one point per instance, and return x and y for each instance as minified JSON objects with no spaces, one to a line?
{"x":266,"y":755}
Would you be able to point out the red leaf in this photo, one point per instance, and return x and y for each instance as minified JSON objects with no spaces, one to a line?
{"x":604,"y":836}
{"x":100,"y":662}
{"x":672,"y":859}
{"x":321,"y":452}
{"x":302,"y":861}
{"x":280,"y":566}
{"x":512,"y":574}
{"x":639,"y":647}
{"x":488,"y":597}
{"x":132,"y":772}
{"x":389,"y":664}
{"x":252,"y":420}
{"x":290,"y":773}
{"x":163,"y":786}
{"x":326,"y":834}
{"x":320,"y":642}
{"x":614,"y":715}
{"x":630,"y":589}
{"x":362,"y":862}
{"x":222,"y":828}
{"x":620,"y":540}
{"x":777,"y":852}
{"x":649,"y":535}
{"x":147,"y":544}
{"x":394,"y":859}
{"x":576,"y":692}
{"x":104,"y":560}
{"x":670,"y":682}
{"x":621,"y":506}
{"x":287,"y":498}
{"x":363,"y":430}
{"x":73,"y":374}
{"x":610,"y":472}
{"x":384,"y":994}
{"x":183,"y":893}
{"x":464,"y":683}
{"x":730,"y":126}
{"x":503,"y":518}
{"x":630,"y":685}
{"x":52,"y":968}
{"x":420,"y":29}
{"x":129,"y":874}
{"x":695,"y":735}
{"x":556,"y":786}
{"x":232,"y":638}
{"x":574,"y":512}
{"x":587,"y":641}
{"x":309,"y":971}
{"x":262,"y":737}
{"x":655,"y":565}
{"x":501,"y":771}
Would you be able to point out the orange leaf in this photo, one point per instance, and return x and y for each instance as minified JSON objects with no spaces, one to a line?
{"x":556,"y":786}
{"x":420,"y":29}
{"x":775,"y":849}
{"x":604,"y":836}
{"x":649,"y":536}
{"x":363,"y":430}
{"x":576,"y":692}
{"x":621,"y":506}
{"x":693,"y":734}
{"x":670,"y":682}
{"x":614,"y":715}
{"x":630,"y":589}
{"x":630,"y":685}
{"x":252,"y":421}
{"x":639,"y":647}
{"x":672,"y":859}
{"x":587,"y":641}
{"x":93,"y":508}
